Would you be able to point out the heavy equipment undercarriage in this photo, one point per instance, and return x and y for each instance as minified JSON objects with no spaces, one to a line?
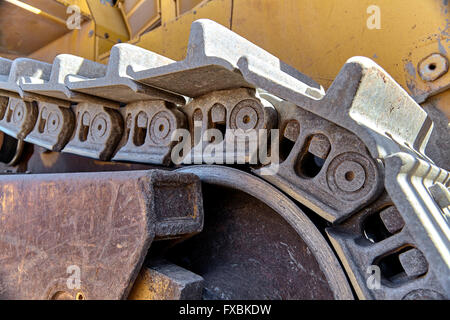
{"x":235,"y":176}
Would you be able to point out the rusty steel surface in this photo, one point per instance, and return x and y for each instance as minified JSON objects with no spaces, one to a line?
{"x":162,"y":280}
{"x":101,"y":223}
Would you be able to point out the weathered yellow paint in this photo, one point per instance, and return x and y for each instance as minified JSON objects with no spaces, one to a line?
{"x":151,"y":285}
{"x":168,"y":10}
{"x":441,"y":101}
{"x":110,"y":27}
{"x":317,"y":37}
{"x":184,"y":6}
{"x":415,"y":84}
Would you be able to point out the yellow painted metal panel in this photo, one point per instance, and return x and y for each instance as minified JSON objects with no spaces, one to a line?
{"x":184,"y":6}
{"x":78,"y":42}
{"x":317,"y":37}
{"x":171,"y":38}
{"x":109,"y":23}
{"x":168,"y":10}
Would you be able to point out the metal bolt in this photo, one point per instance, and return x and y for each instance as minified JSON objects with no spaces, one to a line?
{"x":246,"y":118}
{"x":99,"y":125}
{"x":160,"y":127}
{"x":392,"y":219}
{"x":320,"y":146}
{"x":292,"y":130}
{"x":350,"y":176}
{"x":246,"y":115}
{"x":433,"y":67}
{"x":413,"y":262}
{"x":53,"y":122}
{"x":79,"y":296}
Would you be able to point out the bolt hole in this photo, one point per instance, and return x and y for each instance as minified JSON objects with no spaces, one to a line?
{"x":310,"y":165}
{"x":349,"y":176}
{"x":84,"y":130}
{"x":161,"y":128}
{"x":222,"y":127}
{"x":246,"y":119}
{"x":392,"y":270}
{"x":79,"y":296}
{"x":99,"y":127}
{"x":432,"y":66}
{"x":374,"y":230}
{"x":286,"y":146}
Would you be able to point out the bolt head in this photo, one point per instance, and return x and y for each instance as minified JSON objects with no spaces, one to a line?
{"x":433,"y":67}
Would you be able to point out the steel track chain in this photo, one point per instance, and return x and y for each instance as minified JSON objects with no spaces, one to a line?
{"x":344,"y":154}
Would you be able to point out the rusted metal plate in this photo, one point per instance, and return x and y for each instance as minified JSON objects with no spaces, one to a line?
{"x":162,"y":280}
{"x":56,"y":229}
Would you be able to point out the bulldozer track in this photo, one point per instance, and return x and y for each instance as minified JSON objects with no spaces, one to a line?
{"x":341,"y":153}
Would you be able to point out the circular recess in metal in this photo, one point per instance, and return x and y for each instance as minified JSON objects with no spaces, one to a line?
{"x":257,"y":243}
